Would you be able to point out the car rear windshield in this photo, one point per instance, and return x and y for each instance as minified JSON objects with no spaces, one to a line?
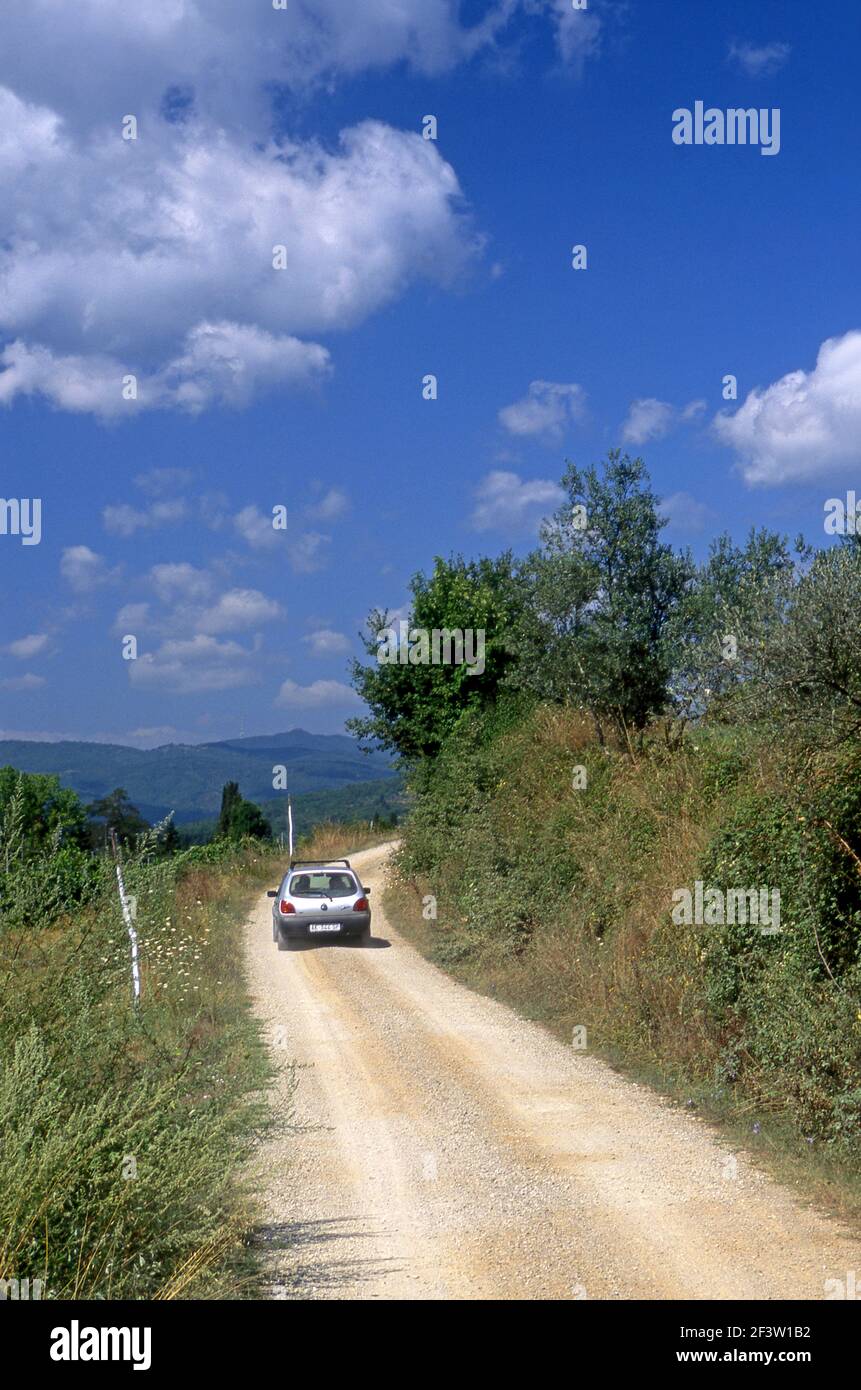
{"x":323,"y":883}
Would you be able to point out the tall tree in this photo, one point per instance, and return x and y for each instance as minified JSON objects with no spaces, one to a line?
{"x":415,"y":702}
{"x":116,"y":812}
{"x":603,"y":590}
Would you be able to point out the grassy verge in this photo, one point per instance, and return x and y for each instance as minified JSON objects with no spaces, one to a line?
{"x":557,"y":899}
{"x":121,"y":1128}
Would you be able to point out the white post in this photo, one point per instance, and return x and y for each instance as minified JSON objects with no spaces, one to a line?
{"x":290,"y":823}
{"x":128,"y":918}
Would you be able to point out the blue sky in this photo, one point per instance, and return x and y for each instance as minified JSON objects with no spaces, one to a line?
{"x":302,"y":387}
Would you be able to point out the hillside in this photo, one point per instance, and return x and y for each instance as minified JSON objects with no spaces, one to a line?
{"x":187,"y":778}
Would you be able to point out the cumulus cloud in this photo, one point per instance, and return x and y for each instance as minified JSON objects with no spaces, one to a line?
{"x":548,"y":409}
{"x":326,"y":642}
{"x":215,"y":57}
{"x":180,"y":580}
{"x":238,"y":610}
{"x":122,"y":519}
{"x":504,"y":502}
{"x":759,"y":61}
{"x":804,"y":426}
{"x":256,"y":528}
{"x":315,"y":695}
{"x":26,"y":647}
{"x":124,"y":258}
{"x":191,"y":666}
{"x":333,"y":505}
{"x":84,"y":570}
{"x":649,"y":418}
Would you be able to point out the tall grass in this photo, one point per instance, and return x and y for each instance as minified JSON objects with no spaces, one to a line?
{"x":121,"y":1129}
{"x":559,"y":900}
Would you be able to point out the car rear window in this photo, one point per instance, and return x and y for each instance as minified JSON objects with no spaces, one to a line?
{"x":330,"y":883}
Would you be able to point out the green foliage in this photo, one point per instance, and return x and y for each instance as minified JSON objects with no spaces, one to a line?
{"x":602,"y":592}
{"x":561,"y":899}
{"x":720,"y":618}
{"x":122,"y":1129}
{"x":414,"y":707}
{"x":240,"y":819}
{"x":806,"y":667}
{"x":115,"y":812}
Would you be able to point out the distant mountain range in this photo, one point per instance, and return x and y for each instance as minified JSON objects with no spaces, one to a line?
{"x":187,"y":778}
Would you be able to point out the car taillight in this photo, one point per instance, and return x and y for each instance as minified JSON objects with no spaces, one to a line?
{"x":284,"y":907}
{"x":360,"y":905}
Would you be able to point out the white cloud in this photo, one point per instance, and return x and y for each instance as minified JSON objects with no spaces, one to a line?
{"x":649,"y":418}
{"x":157,"y":481}
{"x":505,"y":502}
{"x":84,"y":570}
{"x":238,"y":610}
{"x":125,"y":258}
{"x":27,"y":682}
{"x":759,"y":61}
{"x":190,"y":666}
{"x":578,"y":33}
{"x":326,"y":642}
{"x":548,"y":409}
{"x":180,"y":580}
{"x":122,"y":519}
{"x":221,"y":53}
{"x":26,"y":647}
{"x":256,"y":528}
{"x":223,"y":363}
{"x":307,"y":552}
{"x":331,"y":507}
{"x":684,"y":512}
{"x":804,"y":426}
{"x":132,"y":618}
{"x":315,"y":695}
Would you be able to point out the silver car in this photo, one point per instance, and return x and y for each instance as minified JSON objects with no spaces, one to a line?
{"x":319,"y":901}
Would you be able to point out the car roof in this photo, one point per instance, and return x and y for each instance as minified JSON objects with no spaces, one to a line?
{"x":315,"y":868}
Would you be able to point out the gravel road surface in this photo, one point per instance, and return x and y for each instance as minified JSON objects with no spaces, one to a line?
{"x":443,"y":1148}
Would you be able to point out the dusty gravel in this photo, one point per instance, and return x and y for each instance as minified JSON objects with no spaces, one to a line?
{"x":442,"y":1147}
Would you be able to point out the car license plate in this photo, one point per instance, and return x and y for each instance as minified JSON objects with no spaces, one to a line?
{"x":325,"y":926}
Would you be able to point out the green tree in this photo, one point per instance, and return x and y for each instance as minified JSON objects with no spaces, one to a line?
{"x":36,"y":813}
{"x":116,"y":812}
{"x":805,"y":661}
{"x":414,"y":705}
{"x":603,"y":590}
{"x":730,"y":602}
{"x":230,"y":799}
{"x":240,"y":818}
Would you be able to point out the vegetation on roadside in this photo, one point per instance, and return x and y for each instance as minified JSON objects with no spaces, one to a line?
{"x":120,"y":1126}
{"x":652,"y":724}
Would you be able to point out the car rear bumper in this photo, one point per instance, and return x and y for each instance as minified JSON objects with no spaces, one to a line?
{"x":297,"y":928}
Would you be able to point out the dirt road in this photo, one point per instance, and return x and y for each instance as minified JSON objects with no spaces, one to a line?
{"x":444,"y":1148}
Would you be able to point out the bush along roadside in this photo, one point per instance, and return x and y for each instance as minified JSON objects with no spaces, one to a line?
{"x":545,"y":869}
{"x":122,"y":1127}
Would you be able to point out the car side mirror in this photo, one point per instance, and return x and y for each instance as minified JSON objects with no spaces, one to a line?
{"x":272,"y":892}
{"x":366,"y":891}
